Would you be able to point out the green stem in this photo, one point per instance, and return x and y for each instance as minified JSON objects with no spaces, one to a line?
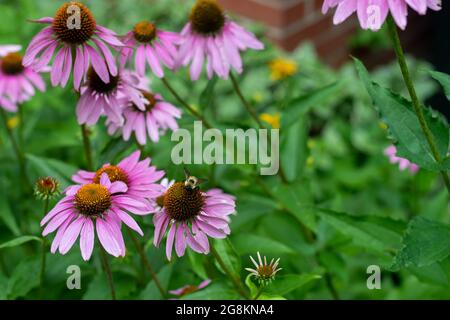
{"x":147,"y":264}
{"x":107,"y":269}
{"x":247,"y":105}
{"x":330,"y":286}
{"x":19,"y":154}
{"x":254,"y":115}
{"x":414,"y":98}
{"x":3,"y":266}
{"x":21,"y":124}
{"x":44,"y":253}
{"x":328,"y":279}
{"x":236,"y":282}
{"x":185,"y":104}
{"x":87,"y":146}
{"x":260,"y":290}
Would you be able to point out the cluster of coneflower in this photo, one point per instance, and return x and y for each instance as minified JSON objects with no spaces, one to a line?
{"x":109,"y":74}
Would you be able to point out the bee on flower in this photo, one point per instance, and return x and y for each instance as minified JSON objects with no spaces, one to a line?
{"x":190,"y":215}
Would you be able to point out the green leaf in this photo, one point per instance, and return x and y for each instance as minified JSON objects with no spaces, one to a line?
{"x":207,"y":95}
{"x":294,"y":149}
{"x":251,"y":285}
{"x":271,"y":297}
{"x":284,"y":284}
{"x":51,"y":167}
{"x":7,"y":216}
{"x":24,"y":278}
{"x":424,"y":243}
{"x":151,"y":292}
{"x":98,"y":288}
{"x":296,"y":199}
{"x":250,"y":208}
{"x":3,"y":286}
{"x":404,"y":126}
{"x":18,"y":241}
{"x":254,"y":291}
{"x":446,"y":163}
{"x":301,"y":105}
{"x":250,"y":243}
{"x":444,"y":80}
{"x":229,"y":257}
{"x":376,"y":233}
{"x":215,"y":291}
{"x":196,"y":261}
{"x":437,"y":273}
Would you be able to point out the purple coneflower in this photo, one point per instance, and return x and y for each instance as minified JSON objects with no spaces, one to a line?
{"x":190,"y":216}
{"x":153,"y":46}
{"x":391,"y":153}
{"x":153,"y":120}
{"x":187,"y":289}
{"x":139,"y":177}
{"x":7,"y":105}
{"x":372,"y":13}
{"x":211,"y":37}
{"x":103,"y":204}
{"x":98,"y":98}
{"x":73,"y":44}
{"x":17,"y":83}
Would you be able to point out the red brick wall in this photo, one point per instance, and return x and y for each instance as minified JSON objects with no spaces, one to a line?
{"x":290,"y":22}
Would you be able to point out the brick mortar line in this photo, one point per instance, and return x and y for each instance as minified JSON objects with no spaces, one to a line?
{"x":278,"y":5}
{"x":293,"y":28}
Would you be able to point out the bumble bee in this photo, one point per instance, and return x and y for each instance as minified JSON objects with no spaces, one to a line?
{"x":192,"y":182}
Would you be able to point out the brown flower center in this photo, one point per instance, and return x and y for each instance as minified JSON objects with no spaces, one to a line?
{"x":189,"y":289}
{"x":74,"y":23}
{"x":160,"y":201}
{"x":114,"y":174}
{"x":92,"y":199}
{"x":144,"y":31}
{"x":207,"y":17}
{"x":265,"y":272}
{"x":12,"y":63}
{"x":97,"y":84}
{"x":151,"y":101}
{"x":182,"y":203}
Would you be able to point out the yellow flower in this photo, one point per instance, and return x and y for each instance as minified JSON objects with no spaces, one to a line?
{"x":382,"y":125}
{"x":272,"y":119}
{"x":13,"y":122}
{"x":282,"y":68}
{"x":310,"y":161}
